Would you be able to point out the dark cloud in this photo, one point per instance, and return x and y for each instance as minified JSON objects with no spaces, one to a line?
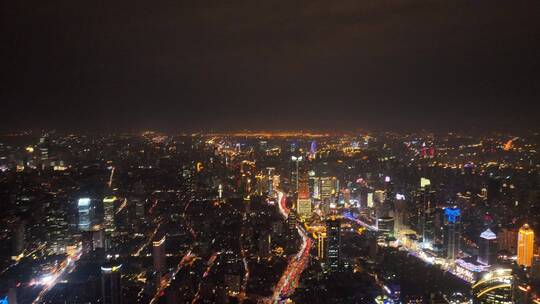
{"x":270,"y":64}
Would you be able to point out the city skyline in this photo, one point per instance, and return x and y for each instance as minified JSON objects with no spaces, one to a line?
{"x":270,"y":152}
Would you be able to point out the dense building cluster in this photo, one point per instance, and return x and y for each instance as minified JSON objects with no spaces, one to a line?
{"x":269,"y":218}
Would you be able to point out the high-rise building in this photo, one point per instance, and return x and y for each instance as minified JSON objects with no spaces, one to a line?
{"x":400,"y":213}
{"x":265,"y":244}
{"x":525,"y":246}
{"x":108,"y":214}
{"x":333,"y":241}
{"x":86,"y":213}
{"x":87,"y":242}
{"x":56,"y":220}
{"x":111,"y":283}
{"x":507,"y":239}
{"x":98,"y":236}
{"x":18,"y":240}
{"x":291,"y":221}
{"x":426,"y":211}
{"x":386,"y":226}
{"x":494,"y":288}
{"x":487,"y":253}
{"x":303,"y":203}
{"x":452,"y":235}
{"x":321,"y":245}
{"x":158,"y":255}
{"x":328,"y":188}
{"x":314,"y":186}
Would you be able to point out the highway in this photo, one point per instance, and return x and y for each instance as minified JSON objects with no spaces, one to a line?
{"x":291,"y":276}
{"x":350,"y":216}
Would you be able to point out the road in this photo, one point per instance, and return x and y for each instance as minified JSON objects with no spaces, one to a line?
{"x":291,"y":276}
{"x":415,"y":250}
{"x":350,"y":216}
{"x":209,"y":266}
{"x":66,"y":266}
{"x":166,"y":280}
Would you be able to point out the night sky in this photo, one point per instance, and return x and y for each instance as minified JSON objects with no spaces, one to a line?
{"x":294,"y":64}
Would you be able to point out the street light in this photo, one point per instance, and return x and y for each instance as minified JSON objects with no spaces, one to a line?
{"x":296,"y":159}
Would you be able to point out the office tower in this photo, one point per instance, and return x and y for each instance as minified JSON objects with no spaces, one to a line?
{"x":18,"y":240}
{"x":108,"y":214}
{"x":57,"y":228}
{"x":452,"y":234}
{"x":139,"y":208}
{"x":525,"y":246}
{"x":43,"y":151}
{"x":369,"y":200}
{"x":314,"y":186}
{"x":426,"y":214}
{"x":87,"y":241}
{"x":333,"y":240}
{"x":507,"y":240}
{"x":265,"y":244}
{"x":386,"y":226}
{"x":98,"y":236}
{"x":304,"y":201}
{"x":321,"y":245}
{"x":304,"y":208}
{"x":86,"y":214}
{"x":291,"y":221}
{"x":487,"y":253}
{"x":158,"y":254}
{"x":328,"y":187}
{"x":295,"y":173}
{"x":111,"y":283}
{"x":400,"y":213}
{"x":270,"y":181}
{"x":494,"y":288}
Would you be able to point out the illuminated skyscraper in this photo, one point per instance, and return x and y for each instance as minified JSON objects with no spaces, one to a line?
{"x":487,"y":253}
{"x":321,"y":245}
{"x":108,"y":210}
{"x":158,"y":254}
{"x":400,"y":213}
{"x":525,"y":246}
{"x":452,"y":234}
{"x":295,"y":174}
{"x":84,"y":205}
{"x":386,"y":226}
{"x":328,"y":188}
{"x":303,"y":203}
{"x":111,"y":284}
{"x":333,"y":241}
{"x":291,"y":222}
